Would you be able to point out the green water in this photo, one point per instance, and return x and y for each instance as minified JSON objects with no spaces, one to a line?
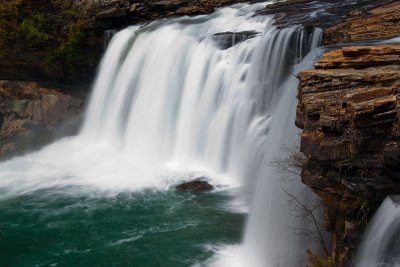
{"x":150,"y":228}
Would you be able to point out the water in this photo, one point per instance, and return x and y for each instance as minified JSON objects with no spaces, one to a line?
{"x":108,"y":35}
{"x":147,"y":228}
{"x":169,"y":105}
{"x":381,"y":243}
{"x":272,"y":232}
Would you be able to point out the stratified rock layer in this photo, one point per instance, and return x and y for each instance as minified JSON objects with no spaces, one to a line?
{"x":381,"y":22}
{"x":349,"y":112}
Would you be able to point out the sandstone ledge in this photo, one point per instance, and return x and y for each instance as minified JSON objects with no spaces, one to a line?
{"x":381,"y":22}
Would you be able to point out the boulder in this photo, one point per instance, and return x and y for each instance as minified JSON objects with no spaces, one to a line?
{"x":195,"y":186}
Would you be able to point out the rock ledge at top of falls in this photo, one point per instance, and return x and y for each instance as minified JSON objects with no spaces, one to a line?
{"x":112,"y":13}
{"x":322,"y":13}
{"x":349,"y":111}
{"x":382,"y":22}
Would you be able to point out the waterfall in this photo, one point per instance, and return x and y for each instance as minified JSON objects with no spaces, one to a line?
{"x":381,"y":244}
{"x":173,"y":97}
{"x":168,"y":95}
{"x":108,"y":35}
{"x":272,"y":232}
{"x":270,"y":235}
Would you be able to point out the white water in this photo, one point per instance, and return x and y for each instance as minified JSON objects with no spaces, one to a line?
{"x":271,"y":236}
{"x":381,"y":244}
{"x":169,"y":97}
{"x":168,"y":102}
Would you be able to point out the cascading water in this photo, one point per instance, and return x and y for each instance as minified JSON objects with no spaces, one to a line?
{"x":173,"y":100}
{"x":381,"y":244}
{"x":171,"y":96}
{"x":270,"y":236}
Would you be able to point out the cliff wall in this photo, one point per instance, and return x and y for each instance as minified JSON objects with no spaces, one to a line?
{"x":33,"y":115}
{"x":349,"y":110}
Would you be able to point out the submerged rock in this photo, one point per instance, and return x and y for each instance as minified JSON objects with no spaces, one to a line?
{"x":195,"y":186}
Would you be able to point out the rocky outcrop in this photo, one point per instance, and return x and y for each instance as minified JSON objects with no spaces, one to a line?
{"x":379,"y":23}
{"x":32,"y":115}
{"x":349,"y":110}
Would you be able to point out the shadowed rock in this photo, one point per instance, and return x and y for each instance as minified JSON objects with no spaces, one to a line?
{"x":226,"y":40}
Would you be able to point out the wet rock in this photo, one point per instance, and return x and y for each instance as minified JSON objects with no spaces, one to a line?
{"x":195,"y":186}
{"x":54,"y":108}
{"x":226,"y":40}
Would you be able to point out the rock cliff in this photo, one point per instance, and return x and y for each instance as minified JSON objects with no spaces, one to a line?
{"x":349,"y":110}
{"x":33,"y":115}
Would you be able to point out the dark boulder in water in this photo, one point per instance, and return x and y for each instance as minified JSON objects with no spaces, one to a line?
{"x":195,"y":186}
{"x":226,"y":40}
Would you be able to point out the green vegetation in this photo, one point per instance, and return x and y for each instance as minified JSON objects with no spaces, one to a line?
{"x":8,"y":22}
{"x":51,"y":27}
{"x":315,"y":261}
{"x":36,"y":30}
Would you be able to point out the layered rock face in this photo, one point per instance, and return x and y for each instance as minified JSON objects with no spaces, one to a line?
{"x":349,"y":110}
{"x":382,"y":22}
{"x":32,"y":116}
